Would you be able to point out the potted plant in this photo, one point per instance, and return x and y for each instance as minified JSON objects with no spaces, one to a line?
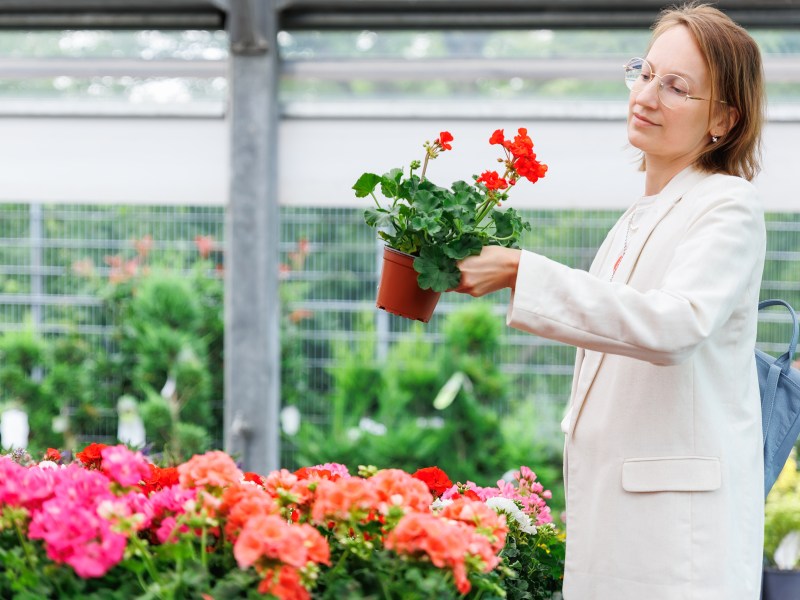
{"x":782,"y":536}
{"x":428,"y":229}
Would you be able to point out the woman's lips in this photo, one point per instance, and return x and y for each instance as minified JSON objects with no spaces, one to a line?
{"x":642,"y":119}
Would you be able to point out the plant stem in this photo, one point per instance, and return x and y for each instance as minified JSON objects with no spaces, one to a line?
{"x":24,"y":545}
{"x":375,"y":199}
{"x":203,"y":552}
{"x":424,"y":166}
{"x":146,"y":558}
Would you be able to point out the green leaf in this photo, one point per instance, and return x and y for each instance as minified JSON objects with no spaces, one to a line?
{"x":436,"y":271}
{"x":425,"y":201}
{"x":466,"y":245}
{"x":390,"y":183}
{"x":428,"y":222}
{"x":366,"y":184}
{"x":378,"y":217}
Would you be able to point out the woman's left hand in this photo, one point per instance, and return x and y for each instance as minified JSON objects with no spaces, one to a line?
{"x":493,"y":269}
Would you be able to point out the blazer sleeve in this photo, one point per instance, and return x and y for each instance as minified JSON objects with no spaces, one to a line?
{"x":719,"y":257}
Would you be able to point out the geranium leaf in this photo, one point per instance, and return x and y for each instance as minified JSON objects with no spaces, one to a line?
{"x":390,"y":183}
{"x":428,"y":222}
{"x":503,"y":223}
{"x":467,"y":245}
{"x":436,"y":270}
{"x":426,"y":202}
{"x":378,"y":217}
{"x":366,"y":184}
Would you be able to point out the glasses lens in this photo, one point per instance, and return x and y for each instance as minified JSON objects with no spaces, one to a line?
{"x":633,"y":73}
{"x":673,"y":90}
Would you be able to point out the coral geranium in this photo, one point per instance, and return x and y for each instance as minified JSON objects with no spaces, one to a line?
{"x":207,"y":530}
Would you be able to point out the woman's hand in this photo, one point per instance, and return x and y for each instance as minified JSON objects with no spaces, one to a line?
{"x":493,"y":269}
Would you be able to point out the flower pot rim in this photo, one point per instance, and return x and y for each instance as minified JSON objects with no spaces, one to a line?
{"x":395,"y":250}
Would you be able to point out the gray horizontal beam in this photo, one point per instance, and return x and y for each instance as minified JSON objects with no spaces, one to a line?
{"x":117,"y":20}
{"x":34,"y":68}
{"x":512,"y":14}
{"x":777,"y":68}
{"x":112,"y":14}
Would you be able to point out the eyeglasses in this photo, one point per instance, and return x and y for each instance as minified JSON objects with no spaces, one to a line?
{"x":673,"y":90}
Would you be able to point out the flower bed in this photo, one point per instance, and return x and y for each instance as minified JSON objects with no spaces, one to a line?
{"x":112,"y":525}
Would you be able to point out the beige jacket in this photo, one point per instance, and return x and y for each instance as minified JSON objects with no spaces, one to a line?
{"x":663,"y":456}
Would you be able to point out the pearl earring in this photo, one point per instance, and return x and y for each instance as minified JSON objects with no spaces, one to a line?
{"x":714,"y":139}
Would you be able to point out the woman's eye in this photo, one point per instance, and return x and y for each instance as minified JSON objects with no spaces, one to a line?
{"x":645,"y":77}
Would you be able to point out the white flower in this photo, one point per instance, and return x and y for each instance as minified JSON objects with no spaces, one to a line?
{"x":439,"y":504}
{"x":510,"y":508}
{"x":47,"y":464}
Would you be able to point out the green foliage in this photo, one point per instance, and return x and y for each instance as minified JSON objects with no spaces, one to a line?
{"x":385,"y":414}
{"x":782,"y":510}
{"x":169,"y":327}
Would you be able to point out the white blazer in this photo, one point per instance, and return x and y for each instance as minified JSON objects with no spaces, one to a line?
{"x":663,"y":463}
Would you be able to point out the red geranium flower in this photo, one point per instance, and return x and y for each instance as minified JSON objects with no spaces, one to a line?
{"x":492,"y":181}
{"x":159,"y":479}
{"x":444,"y":138}
{"x":52,"y":454}
{"x":253,"y":477}
{"x":315,"y":474}
{"x":90,"y":456}
{"x":498,"y":137}
{"x":437,"y":480}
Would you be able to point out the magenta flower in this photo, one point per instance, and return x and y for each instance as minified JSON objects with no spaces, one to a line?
{"x":125,"y":467}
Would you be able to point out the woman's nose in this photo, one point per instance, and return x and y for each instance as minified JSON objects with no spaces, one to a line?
{"x":648,"y":95}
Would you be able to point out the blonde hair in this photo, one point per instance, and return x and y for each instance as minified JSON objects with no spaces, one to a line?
{"x":737,"y":77}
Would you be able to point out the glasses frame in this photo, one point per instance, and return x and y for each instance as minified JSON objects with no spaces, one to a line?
{"x":630,"y":84}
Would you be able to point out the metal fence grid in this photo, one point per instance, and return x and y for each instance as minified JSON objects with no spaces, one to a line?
{"x":55,"y":258}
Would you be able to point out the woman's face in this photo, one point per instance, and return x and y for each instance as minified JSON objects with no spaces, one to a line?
{"x":673,"y":135}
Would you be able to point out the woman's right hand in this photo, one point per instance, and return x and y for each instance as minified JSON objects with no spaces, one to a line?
{"x":495,"y":268}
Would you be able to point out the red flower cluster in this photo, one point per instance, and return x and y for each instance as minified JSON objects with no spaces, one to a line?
{"x":90,"y":456}
{"x":492,"y":181}
{"x":52,"y":454}
{"x":520,"y":161}
{"x":437,"y":480}
{"x":159,"y":479}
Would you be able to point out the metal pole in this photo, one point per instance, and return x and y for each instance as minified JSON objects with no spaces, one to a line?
{"x":252,"y":311}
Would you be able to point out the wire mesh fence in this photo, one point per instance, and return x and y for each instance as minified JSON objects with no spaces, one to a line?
{"x":59,"y":264}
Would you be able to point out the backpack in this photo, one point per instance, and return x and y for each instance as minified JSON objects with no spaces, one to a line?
{"x":779,"y":386}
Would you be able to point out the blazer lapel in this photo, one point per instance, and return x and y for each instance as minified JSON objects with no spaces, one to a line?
{"x":665,"y":201}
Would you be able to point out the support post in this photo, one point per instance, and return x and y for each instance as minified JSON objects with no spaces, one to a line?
{"x":252,"y":309}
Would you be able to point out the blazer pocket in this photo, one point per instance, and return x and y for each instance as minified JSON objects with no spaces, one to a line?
{"x":671,"y":474}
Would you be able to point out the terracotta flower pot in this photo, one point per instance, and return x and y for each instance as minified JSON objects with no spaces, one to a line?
{"x":398,"y":291}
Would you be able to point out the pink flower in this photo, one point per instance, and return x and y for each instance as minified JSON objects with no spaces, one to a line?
{"x":271,"y":537}
{"x":344,"y":499}
{"x":398,"y":488}
{"x":335,"y":469}
{"x":11,"y":487}
{"x":73,"y":533}
{"x":212,"y":470}
{"x":125,"y":467}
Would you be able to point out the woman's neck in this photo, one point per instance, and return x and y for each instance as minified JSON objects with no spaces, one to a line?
{"x":658,"y":174}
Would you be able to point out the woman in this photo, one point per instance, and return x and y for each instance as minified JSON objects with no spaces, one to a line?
{"x":663,"y":455}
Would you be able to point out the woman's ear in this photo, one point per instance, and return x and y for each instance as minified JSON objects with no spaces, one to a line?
{"x":724,"y":121}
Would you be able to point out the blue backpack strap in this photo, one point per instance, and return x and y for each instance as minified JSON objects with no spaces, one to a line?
{"x":781,"y":365}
